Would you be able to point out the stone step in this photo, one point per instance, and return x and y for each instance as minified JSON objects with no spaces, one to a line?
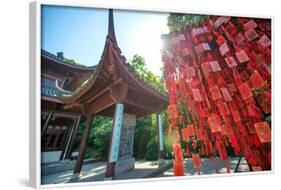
{"x":62,"y":166}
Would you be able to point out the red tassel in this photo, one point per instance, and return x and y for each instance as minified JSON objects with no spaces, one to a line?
{"x":220,"y":94}
{"x":212,"y":159}
{"x":178,"y":168}
{"x":202,"y":149}
{"x":217,"y":170}
{"x":187,"y":150}
{"x":227,"y":168}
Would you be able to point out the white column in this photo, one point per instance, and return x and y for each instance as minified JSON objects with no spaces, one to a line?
{"x":160,"y":133}
{"x":116,"y":133}
{"x":115,"y":140}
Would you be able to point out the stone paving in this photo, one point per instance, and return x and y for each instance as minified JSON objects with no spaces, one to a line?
{"x":95,"y":169}
{"x":208,"y":168}
{"x":143,"y":169}
{"x":96,"y":172}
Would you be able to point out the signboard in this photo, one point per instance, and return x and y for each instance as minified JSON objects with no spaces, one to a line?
{"x":116,"y":134}
{"x":160,"y":133}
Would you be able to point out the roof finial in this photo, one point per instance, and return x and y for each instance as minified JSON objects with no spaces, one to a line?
{"x":111,"y":31}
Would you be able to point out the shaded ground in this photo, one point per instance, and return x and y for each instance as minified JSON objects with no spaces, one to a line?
{"x":143,"y":169}
{"x":94,"y":169}
{"x":96,"y":172}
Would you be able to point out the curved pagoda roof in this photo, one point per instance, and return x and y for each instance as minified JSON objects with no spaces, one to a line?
{"x":113,"y":81}
{"x":80,"y":68}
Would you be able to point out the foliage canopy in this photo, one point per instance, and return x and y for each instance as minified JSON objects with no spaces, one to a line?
{"x":139,"y":66}
{"x":177,"y":21}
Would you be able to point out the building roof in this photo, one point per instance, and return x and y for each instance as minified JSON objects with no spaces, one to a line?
{"x":58,"y":60}
{"x":48,"y":90}
{"x":113,"y":63}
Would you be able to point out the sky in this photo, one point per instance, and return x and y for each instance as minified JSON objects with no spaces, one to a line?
{"x":80,"y":33}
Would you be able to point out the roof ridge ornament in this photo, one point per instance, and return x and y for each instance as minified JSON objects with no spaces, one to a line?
{"x":111,"y":30}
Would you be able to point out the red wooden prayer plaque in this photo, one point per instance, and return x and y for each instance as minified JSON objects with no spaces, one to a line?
{"x":206,"y":68}
{"x":196,"y":94}
{"x":242,"y":56}
{"x":235,"y":115}
{"x":245,"y":91}
{"x":185,"y":52}
{"x":180,"y":61}
{"x":214,"y":123}
{"x":184,"y":132}
{"x":256,"y":80}
{"x":221,"y":40}
{"x":265,"y":102}
{"x":222,"y":150}
{"x":205,"y":112}
{"x":190,"y":71}
{"x":174,"y":40}
{"x":190,"y":130}
{"x":194,"y":31}
{"x":196,"y":161}
{"x":181,"y":37}
{"x":172,"y":111}
{"x":178,"y":168}
{"x":263,"y":131}
{"x":194,"y":83}
{"x":187,"y":150}
{"x":199,"y":49}
{"x":251,"y":128}
{"x":220,"y":21}
{"x":250,"y":25}
{"x":206,"y":46}
{"x":223,"y":108}
{"x":232,"y":87}
{"x":264,"y":42}
{"x":178,"y":151}
{"x":215,"y":92}
{"x":251,"y":35}
{"x":230,"y":61}
{"x":223,"y":130}
{"x":226,"y":95}
{"x":244,"y":75}
{"x":224,"y":49}
{"x":198,"y":134}
{"x":206,"y":29}
{"x":258,"y":159}
{"x":215,"y":66}
{"x":256,"y":168}
{"x":239,"y":39}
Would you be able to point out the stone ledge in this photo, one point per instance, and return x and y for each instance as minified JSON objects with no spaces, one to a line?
{"x":124,"y":165}
{"x":166,"y":165}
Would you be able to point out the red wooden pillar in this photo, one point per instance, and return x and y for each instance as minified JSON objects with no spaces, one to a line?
{"x":83,"y":146}
{"x":115,"y":141}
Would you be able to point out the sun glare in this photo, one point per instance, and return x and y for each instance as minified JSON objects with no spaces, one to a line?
{"x":147,"y":43}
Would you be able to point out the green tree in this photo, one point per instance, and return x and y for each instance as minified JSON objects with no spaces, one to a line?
{"x":99,"y":137}
{"x":146,"y":131}
{"x":139,"y":66}
{"x":72,"y":62}
{"x":177,"y":21}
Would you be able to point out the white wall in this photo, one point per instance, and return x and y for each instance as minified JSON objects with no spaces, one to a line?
{"x":50,"y":156}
